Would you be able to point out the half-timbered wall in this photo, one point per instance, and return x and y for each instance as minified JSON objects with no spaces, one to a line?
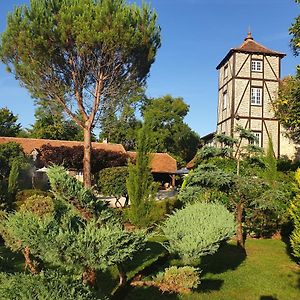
{"x":237,"y":82}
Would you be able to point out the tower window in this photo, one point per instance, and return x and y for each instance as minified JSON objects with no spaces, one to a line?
{"x":256,"y":65}
{"x":225,"y":71}
{"x":225,"y":100}
{"x":257,"y":134}
{"x":256,"y":96}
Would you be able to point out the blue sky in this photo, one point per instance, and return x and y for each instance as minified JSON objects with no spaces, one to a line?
{"x":196,"y":35}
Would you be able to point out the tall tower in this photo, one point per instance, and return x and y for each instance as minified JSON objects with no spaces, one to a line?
{"x":249,"y":78}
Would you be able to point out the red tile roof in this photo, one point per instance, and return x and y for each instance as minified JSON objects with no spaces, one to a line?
{"x":250,"y":46}
{"x":160,"y":162}
{"x":30,"y":144}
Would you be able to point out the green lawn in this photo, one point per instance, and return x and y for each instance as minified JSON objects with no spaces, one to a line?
{"x":267,"y":273}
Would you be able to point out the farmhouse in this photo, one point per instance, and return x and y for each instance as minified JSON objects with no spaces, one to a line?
{"x":163,"y":166}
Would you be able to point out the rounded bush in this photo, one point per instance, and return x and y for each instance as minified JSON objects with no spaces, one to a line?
{"x":198,"y":230}
{"x":39,"y":205}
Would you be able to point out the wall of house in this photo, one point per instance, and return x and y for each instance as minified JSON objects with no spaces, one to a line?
{"x":240,"y":111}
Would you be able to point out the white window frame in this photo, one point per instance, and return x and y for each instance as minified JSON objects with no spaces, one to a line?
{"x":225,"y":100}
{"x":225,"y":71}
{"x":256,"y":65}
{"x":256,"y":96}
{"x":258,"y":134}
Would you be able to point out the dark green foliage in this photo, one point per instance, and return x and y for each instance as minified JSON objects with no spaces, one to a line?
{"x":197,"y":230}
{"x":294,"y":211}
{"x":72,"y":191}
{"x":13,"y":177}
{"x":50,"y":123}
{"x":10,"y":152}
{"x":12,"y":162}
{"x":295,"y":33}
{"x":120,"y":124}
{"x":49,"y":285}
{"x":287,"y":107}
{"x":140,"y":185}
{"x":77,"y":234}
{"x":112,"y":181}
{"x":206,"y":183}
{"x":165,"y":117}
{"x":8,"y":123}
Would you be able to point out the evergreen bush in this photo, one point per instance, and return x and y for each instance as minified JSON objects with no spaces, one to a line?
{"x":140,"y":184}
{"x":49,"y":285}
{"x":178,"y":279}
{"x":112,"y":181}
{"x":295,"y":215}
{"x":39,"y":205}
{"x":198,"y":230}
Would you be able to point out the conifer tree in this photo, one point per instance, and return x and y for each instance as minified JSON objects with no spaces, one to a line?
{"x":140,"y":185}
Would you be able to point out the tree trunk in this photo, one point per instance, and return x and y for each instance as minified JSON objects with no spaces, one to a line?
{"x":239,"y":230}
{"x":87,"y":150}
{"x":122,"y":275}
{"x":29,"y":264}
{"x":89,"y":277}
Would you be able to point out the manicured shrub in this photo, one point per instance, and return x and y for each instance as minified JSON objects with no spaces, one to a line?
{"x":23,"y":195}
{"x":178,"y":279}
{"x":76,"y":237}
{"x":198,"y":230}
{"x":39,"y":205}
{"x":49,"y":285}
{"x":112,"y":181}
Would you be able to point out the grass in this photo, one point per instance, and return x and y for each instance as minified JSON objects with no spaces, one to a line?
{"x":266,"y":273}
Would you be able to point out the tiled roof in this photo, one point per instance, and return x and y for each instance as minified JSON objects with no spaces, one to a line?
{"x":250,"y":46}
{"x":160,"y":162}
{"x":30,"y":144}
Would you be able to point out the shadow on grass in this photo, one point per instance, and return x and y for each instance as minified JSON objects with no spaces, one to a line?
{"x":229,"y":257}
{"x":150,"y":293}
{"x":267,"y":298}
{"x":151,"y":253}
{"x":209,"y":285}
{"x":289,"y":250}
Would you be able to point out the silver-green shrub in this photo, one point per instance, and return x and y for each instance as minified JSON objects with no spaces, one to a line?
{"x":197,"y":230}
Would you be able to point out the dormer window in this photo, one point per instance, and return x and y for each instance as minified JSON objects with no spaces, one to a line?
{"x":256,"y":66}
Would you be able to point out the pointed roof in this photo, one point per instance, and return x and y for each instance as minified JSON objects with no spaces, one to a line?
{"x":250,"y":46}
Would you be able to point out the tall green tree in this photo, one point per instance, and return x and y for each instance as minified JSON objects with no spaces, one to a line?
{"x":165,"y":117}
{"x":140,"y":184}
{"x":295,"y":33}
{"x":287,"y":107}
{"x":119,"y":123}
{"x":8,"y":123}
{"x":50,"y":123}
{"x":80,"y":54}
